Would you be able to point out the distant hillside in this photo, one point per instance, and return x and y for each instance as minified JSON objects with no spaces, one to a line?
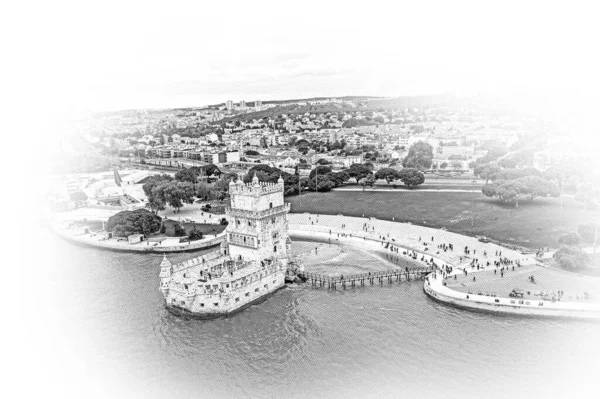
{"x":409,"y":102}
{"x":363,"y":103}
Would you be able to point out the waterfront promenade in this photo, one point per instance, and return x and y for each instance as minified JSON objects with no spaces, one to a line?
{"x":165,"y":244}
{"x":404,"y":235}
{"x":481,"y":279}
{"x":434,"y":287}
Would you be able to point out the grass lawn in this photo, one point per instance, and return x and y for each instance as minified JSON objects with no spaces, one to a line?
{"x":399,"y":186}
{"x":532,"y":225}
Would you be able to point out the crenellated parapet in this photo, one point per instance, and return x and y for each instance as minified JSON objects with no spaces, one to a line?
{"x":258,"y":214}
{"x":253,"y":189}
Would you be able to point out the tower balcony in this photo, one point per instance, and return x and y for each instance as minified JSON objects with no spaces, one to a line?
{"x":257,"y":214}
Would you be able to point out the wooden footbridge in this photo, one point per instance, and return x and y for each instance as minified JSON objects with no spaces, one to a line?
{"x":372,"y":278}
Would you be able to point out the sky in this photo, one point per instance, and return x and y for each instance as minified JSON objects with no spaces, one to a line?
{"x":122,"y":55}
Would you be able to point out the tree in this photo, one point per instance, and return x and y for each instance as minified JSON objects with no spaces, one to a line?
{"x":229,"y":177}
{"x":489,"y":190}
{"x":387,"y":174}
{"x":420,"y":156}
{"x":339,"y":178}
{"x":569,"y":239}
{"x":211,"y":169}
{"x":154,"y":181}
{"x":155,"y":195}
{"x":203,"y":191}
{"x":178,"y":193}
{"x":188,"y":175}
{"x":221,"y":188}
{"x":587,"y":232}
{"x":178,"y":230}
{"x":443,"y":165}
{"x":252,"y":152}
{"x":572,"y":258}
{"x":507,"y":163}
{"x":321,"y":170}
{"x":412,"y":177}
{"x":322,"y":184}
{"x":535,"y":186}
{"x":359,"y":171}
{"x":486,"y":171}
{"x":512,"y":174}
{"x":505,"y":192}
{"x":195,"y":234}
{"x":140,"y":221}
{"x":323,"y":161}
{"x":367,"y":181}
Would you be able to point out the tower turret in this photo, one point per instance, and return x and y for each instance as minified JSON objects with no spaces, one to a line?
{"x":166,"y":269}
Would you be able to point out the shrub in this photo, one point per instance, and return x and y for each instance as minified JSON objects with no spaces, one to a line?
{"x":572,"y":258}
{"x":126,"y":223}
{"x":178,"y":230}
{"x":569,"y":239}
{"x":195,"y":235}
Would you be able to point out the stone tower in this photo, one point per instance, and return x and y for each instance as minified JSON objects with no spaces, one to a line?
{"x":258,"y":227}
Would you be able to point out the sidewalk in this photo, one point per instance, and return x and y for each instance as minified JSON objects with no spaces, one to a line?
{"x":407,"y":236}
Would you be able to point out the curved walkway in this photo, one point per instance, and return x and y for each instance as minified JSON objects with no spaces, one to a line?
{"x":425,"y":241}
{"x":167,"y":245}
{"x":435,"y":288}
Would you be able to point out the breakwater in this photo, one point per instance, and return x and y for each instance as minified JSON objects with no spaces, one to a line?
{"x":435,"y":288}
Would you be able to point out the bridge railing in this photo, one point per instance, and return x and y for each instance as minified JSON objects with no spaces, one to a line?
{"x":364,"y":276}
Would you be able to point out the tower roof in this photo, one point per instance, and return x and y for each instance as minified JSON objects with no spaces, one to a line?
{"x":255,"y":179}
{"x":165,"y":262}
{"x":280,"y":180}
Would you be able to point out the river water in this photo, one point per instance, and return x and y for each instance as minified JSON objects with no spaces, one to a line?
{"x":388,"y":341}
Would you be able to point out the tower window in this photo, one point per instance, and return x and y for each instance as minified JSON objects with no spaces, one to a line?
{"x":270,"y":205}
{"x":249,"y":224}
{"x":274,"y":248}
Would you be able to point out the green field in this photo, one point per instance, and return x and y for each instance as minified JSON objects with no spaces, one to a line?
{"x":533,"y":224}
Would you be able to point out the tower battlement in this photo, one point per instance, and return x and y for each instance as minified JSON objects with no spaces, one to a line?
{"x":254,"y":189}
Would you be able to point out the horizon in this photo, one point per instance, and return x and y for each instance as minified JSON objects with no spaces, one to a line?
{"x":150,"y":57}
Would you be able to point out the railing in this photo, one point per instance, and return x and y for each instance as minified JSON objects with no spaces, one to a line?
{"x":370,"y":278}
{"x":266,"y":212}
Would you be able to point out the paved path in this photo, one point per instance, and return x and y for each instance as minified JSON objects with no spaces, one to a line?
{"x":421,"y":190}
{"x":409,"y":236}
